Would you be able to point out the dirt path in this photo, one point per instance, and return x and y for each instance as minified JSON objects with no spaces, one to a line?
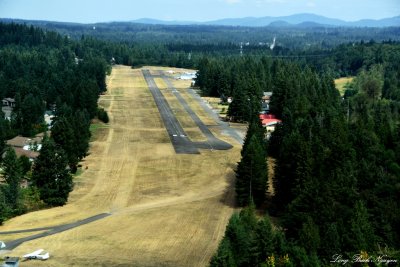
{"x":166,"y":209}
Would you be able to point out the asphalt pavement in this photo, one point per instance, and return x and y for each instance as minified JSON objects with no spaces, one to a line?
{"x":51,"y":231}
{"x":179,"y":139}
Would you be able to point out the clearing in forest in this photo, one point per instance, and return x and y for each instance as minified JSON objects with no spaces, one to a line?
{"x":341,"y":84}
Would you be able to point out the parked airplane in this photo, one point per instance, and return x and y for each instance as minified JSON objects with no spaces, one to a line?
{"x":36,"y":255}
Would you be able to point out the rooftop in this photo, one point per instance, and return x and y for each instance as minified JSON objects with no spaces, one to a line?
{"x":20,"y":141}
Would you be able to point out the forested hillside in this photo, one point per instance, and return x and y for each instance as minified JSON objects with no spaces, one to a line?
{"x":41,"y":70}
{"x":337,"y":158}
{"x":290,"y":37}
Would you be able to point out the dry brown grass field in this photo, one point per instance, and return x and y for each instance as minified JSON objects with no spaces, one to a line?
{"x":166,"y":209}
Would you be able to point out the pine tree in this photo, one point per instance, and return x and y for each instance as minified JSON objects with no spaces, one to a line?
{"x":12,"y":174}
{"x":81,"y":123}
{"x":330,"y":240}
{"x":255,"y":128}
{"x":32,"y":110}
{"x":239,"y":109}
{"x":3,"y":132}
{"x":251,"y":174}
{"x":309,"y":236}
{"x":51,"y":176}
{"x":87,"y":96}
{"x":363,"y":237}
{"x":63,"y":134}
{"x":264,"y":239}
{"x":224,"y":256}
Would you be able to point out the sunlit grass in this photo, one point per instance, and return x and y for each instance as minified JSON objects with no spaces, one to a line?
{"x":341,"y":84}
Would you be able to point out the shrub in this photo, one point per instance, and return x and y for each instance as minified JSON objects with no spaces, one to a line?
{"x":102,"y":115}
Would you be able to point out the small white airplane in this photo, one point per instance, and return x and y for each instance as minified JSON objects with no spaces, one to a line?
{"x":36,"y":255}
{"x":2,"y":245}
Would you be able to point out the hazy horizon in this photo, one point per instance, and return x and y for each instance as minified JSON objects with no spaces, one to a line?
{"x":92,"y":11}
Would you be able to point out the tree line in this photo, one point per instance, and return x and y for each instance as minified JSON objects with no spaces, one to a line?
{"x":337,"y":165}
{"x":42,"y":71}
{"x":293,"y":38}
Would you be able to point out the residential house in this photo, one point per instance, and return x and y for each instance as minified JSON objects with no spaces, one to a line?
{"x":269,"y":121}
{"x":28,"y":147}
{"x":265,"y":102}
{"x":8,"y":102}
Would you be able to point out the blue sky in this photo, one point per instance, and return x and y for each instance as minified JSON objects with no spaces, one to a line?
{"x":89,"y":11}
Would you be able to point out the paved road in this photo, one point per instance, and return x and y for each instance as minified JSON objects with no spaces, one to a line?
{"x":51,"y":230}
{"x":182,"y":144}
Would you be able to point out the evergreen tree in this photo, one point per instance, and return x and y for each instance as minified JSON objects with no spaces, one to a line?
{"x":264,"y":239}
{"x":32,"y":111}
{"x":63,"y":134}
{"x":251,"y":174}
{"x":4,"y":208}
{"x":25,"y":164}
{"x":255,"y":128}
{"x":3,"y":133}
{"x":224,"y":256}
{"x":51,"y":176}
{"x":309,"y":236}
{"x":331,"y":242}
{"x":363,"y":237}
{"x":239,"y":238}
{"x":12,"y":174}
{"x":81,"y":123}
{"x":86,"y":97}
{"x":239,"y":109}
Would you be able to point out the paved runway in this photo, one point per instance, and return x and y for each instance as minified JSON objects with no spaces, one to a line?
{"x":223,"y":124}
{"x":182,"y":144}
{"x":51,"y":231}
{"x":179,"y":139}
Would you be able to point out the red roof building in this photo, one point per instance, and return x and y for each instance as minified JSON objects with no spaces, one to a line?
{"x":267,"y":116}
{"x":270,"y":122}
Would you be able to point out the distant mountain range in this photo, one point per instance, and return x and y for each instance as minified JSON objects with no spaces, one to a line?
{"x":304,"y":20}
{"x":297,"y":20}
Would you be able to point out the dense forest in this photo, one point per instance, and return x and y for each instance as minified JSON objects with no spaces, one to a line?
{"x":337,"y":157}
{"x":337,"y":165}
{"x":42,"y":71}
{"x":183,"y":45}
{"x":192,"y":35}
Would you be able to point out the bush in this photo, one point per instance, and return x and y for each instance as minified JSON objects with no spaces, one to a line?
{"x":102,"y":115}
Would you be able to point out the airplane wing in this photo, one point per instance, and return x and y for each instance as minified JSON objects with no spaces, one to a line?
{"x":34,"y":254}
{"x":43,"y":257}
